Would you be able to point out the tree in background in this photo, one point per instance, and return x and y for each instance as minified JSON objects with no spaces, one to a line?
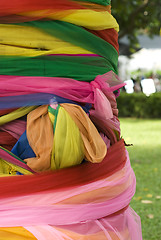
{"x":136,"y":17}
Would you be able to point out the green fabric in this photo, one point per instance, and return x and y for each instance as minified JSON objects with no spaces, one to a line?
{"x":100,"y":2}
{"x":13,"y":155}
{"x":76,"y":67}
{"x":77,"y":36}
{"x":55,"y":113}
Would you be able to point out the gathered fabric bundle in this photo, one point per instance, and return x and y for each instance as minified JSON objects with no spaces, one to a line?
{"x":64,"y":171}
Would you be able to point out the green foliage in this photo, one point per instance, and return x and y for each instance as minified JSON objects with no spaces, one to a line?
{"x":137,"y":16}
{"x":138,"y":105}
{"x":146,"y":73}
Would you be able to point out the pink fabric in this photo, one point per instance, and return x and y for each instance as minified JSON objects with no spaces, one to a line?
{"x":116,"y":224}
{"x":62,"y":215}
{"x":15,"y":128}
{"x":105,"y":139}
{"x":46,"y":232}
{"x":93,"y":92}
{"x":44,"y":207}
{"x":53,"y":197}
{"x":19,"y":85}
{"x":107,"y":126}
{"x":10,"y":158}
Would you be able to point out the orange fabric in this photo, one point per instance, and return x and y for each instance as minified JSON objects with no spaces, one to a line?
{"x":40,"y":137}
{"x":98,"y":195}
{"x":94,"y":147}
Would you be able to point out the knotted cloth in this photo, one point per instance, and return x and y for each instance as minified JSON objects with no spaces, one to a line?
{"x":64,"y":171}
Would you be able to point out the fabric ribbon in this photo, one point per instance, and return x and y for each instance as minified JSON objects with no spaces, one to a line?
{"x":65,"y":87}
{"x":84,"y":17}
{"x":64,"y":148}
{"x":7,"y":140}
{"x":7,"y":8}
{"x":8,"y":156}
{"x":94,"y":147}
{"x":56,"y":66}
{"x":15,"y":114}
{"x":76,"y":176}
{"x":65,"y":214}
{"x":15,"y":128}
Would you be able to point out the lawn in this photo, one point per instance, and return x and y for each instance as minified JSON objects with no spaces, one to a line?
{"x":145,"y":155}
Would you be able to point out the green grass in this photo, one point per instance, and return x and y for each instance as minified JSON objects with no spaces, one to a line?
{"x":145,"y":156}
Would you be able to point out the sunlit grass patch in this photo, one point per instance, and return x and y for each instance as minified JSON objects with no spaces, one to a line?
{"x":145,"y":156}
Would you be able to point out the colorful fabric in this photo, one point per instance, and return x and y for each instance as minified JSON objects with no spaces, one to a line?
{"x":22,"y":148}
{"x":112,"y":182}
{"x":7,"y":140}
{"x":29,"y":10}
{"x":75,"y":138}
{"x":15,"y":128}
{"x":86,"y":18}
{"x":6,"y":155}
{"x":7,"y":168}
{"x":64,"y":171}
{"x":15,"y":114}
{"x":7,"y":8}
{"x":102,"y":2}
{"x":70,"y":33}
{"x":56,"y":66}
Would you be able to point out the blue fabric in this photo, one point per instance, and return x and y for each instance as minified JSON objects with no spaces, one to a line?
{"x":36,"y":99}
{"x":22,"y":148}
{"x":18,"y":173}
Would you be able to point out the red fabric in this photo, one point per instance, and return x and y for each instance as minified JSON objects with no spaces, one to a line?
{"x":109,"y":35}
{"x":17,"y":19}
{"x":7,"y":140}
{"x":6,"y":111}
{"x":65,"y":178}
{"x":8,"y":7}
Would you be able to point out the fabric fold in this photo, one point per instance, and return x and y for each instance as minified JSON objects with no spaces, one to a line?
{"x":40,"y":137}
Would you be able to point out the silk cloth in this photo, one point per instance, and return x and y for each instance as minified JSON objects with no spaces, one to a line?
{"x":64,"y":171}
{"x":100,"y":194}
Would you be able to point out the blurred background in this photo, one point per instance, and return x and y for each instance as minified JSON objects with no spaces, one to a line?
{"x":139,"y":103}
{"x":140,"y":44}
{"x":140,"y":57}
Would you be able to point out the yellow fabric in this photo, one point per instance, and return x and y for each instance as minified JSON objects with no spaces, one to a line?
{"x":65,"y":150}
{"x":52,"y":117}
{"x":94,"y":147}
{"x":68,"y":145}
{"x":75,"y":137}
{"x":92,"y":20}
{"x":29,"y":41}
{"x":40,"y":137}
{"x":15,"y":114}
{"x":7,"y":168}
{"x":15,"y":233}
{"x":83,"y":17}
